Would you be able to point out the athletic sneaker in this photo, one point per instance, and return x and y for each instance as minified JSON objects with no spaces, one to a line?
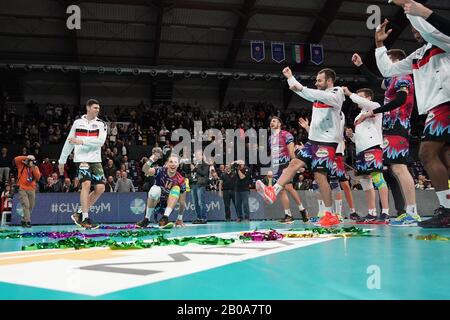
{"x":355,"y":216}
{"x":328,"y":220}
{"x":368,"y":218}
{"x":304,"y":215}
{"x":440,"y":219}
{"x":143,"y":223}
{"x":406,"y":220}
{"x":384,"y":217}
{"x":287,"y":219}
{"x":89,"y":224}
{"x":163,"y":221}
{"x":266,"y":192}
{"x":77,"y":217}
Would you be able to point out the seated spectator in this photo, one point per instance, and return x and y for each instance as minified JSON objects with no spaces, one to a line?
{"x":76,"y":186}
{"x":110,"y":184}
{"x":67,"y":185}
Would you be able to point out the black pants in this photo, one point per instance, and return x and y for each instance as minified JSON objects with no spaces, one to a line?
{"x":242,"y":208}
{"x":228,"y":197}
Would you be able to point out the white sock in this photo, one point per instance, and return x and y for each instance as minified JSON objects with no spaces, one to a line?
{"x":385,"y":211}
{"x":180,"y":217}
{"x":288,"y":212}
{"x":444,"y":198}
{"x":373,"y":212}
{"x":300,"y":207}
{"x":411,"y":210}
{"x":168,"y":211}
{"x":148,"y":212}
{"x":321,"y":208}
{"x":352,"y":210}
{"x":85,"y":215}
{"x":338,"y":206}
{"x":329,"y":209}
{"x":277,"y":188}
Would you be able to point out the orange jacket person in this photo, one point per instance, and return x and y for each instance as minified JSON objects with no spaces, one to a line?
{"x":28,"y":175}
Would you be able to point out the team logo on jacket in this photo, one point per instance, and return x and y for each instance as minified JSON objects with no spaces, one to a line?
{"x":322,"y":153}
{"x":94,"y":126}
{"x":369,"y":157}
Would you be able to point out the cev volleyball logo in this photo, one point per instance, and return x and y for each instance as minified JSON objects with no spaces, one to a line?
{"x":137,"y":206}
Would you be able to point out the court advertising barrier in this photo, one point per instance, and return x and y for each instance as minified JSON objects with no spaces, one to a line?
{"x":56,"y":208}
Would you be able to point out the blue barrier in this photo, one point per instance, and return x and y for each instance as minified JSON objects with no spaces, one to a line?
{"x":56,"y":208}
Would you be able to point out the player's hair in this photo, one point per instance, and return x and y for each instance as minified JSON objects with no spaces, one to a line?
{"x":397,"y":54}
{"x":367,"y":92}
{"x":329,"y":74}
{"x":90,"y":102}
{"x":278,"y":118}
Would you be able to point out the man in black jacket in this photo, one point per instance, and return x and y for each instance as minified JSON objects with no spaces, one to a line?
{"x":242,"y":190}
{"x":228,"y":189}
{"x":198,"y":181}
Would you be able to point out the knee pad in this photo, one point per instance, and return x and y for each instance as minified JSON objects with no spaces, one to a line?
{"x":335,"y":185}
{"x":366,"y":184}
{"x":154,"y":193}
{"x":378,"y":180}
{"x":175,"y":192}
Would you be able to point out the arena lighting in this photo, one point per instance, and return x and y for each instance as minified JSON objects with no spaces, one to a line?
{"x":187,"y":74}
{"x":10,"y":66}
{"x":28,"y":67}
{"x":170,"y":73}
{"x":83,"y":69}
{"x":136,"y":72}
{"x":118,"y":71}
{"x":236,"y":76}
{"x":267,"y":77}
{"x":101,"y":70}
{"x":64,"y":69}
{"x":203,"y":75}
{"x":220,"y":75}
{"x":251,"y":76}
{"x":153,"y":73}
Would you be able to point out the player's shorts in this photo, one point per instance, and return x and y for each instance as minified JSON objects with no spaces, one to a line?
{"x":338,"y":170}
{"x":318,"y":156}
{"x":437,"y":125}
{"x":89,"y":171}
{"x":395,"y":149}
{"x":369,"y":161}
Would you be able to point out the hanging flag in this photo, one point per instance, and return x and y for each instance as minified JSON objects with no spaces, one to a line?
{"x":298,"y":53}
{"x":316,"y":51}
{"x":278,"y":51}
{"x":257,"y":50}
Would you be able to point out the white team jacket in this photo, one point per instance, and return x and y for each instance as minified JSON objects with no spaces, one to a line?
{"x":326,"y":119}
{"x":93,"y":134}
{"x":369,"y":133}
{"x":430,"y":66}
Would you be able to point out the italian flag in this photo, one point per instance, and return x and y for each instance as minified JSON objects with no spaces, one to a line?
{"x":298,"y":54}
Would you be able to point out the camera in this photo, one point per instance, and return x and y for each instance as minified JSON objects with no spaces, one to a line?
{"x":235,"y":167}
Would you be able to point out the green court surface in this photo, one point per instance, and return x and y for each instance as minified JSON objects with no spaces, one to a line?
{"x":391,"y":265}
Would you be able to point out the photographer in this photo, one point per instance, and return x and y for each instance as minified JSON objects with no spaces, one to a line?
{"x":242,"y":190}
{"x":228,"y":184}
{"x":28,"y":175}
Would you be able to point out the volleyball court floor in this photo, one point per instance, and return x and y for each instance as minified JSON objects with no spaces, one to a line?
{"x":387,"y":263}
